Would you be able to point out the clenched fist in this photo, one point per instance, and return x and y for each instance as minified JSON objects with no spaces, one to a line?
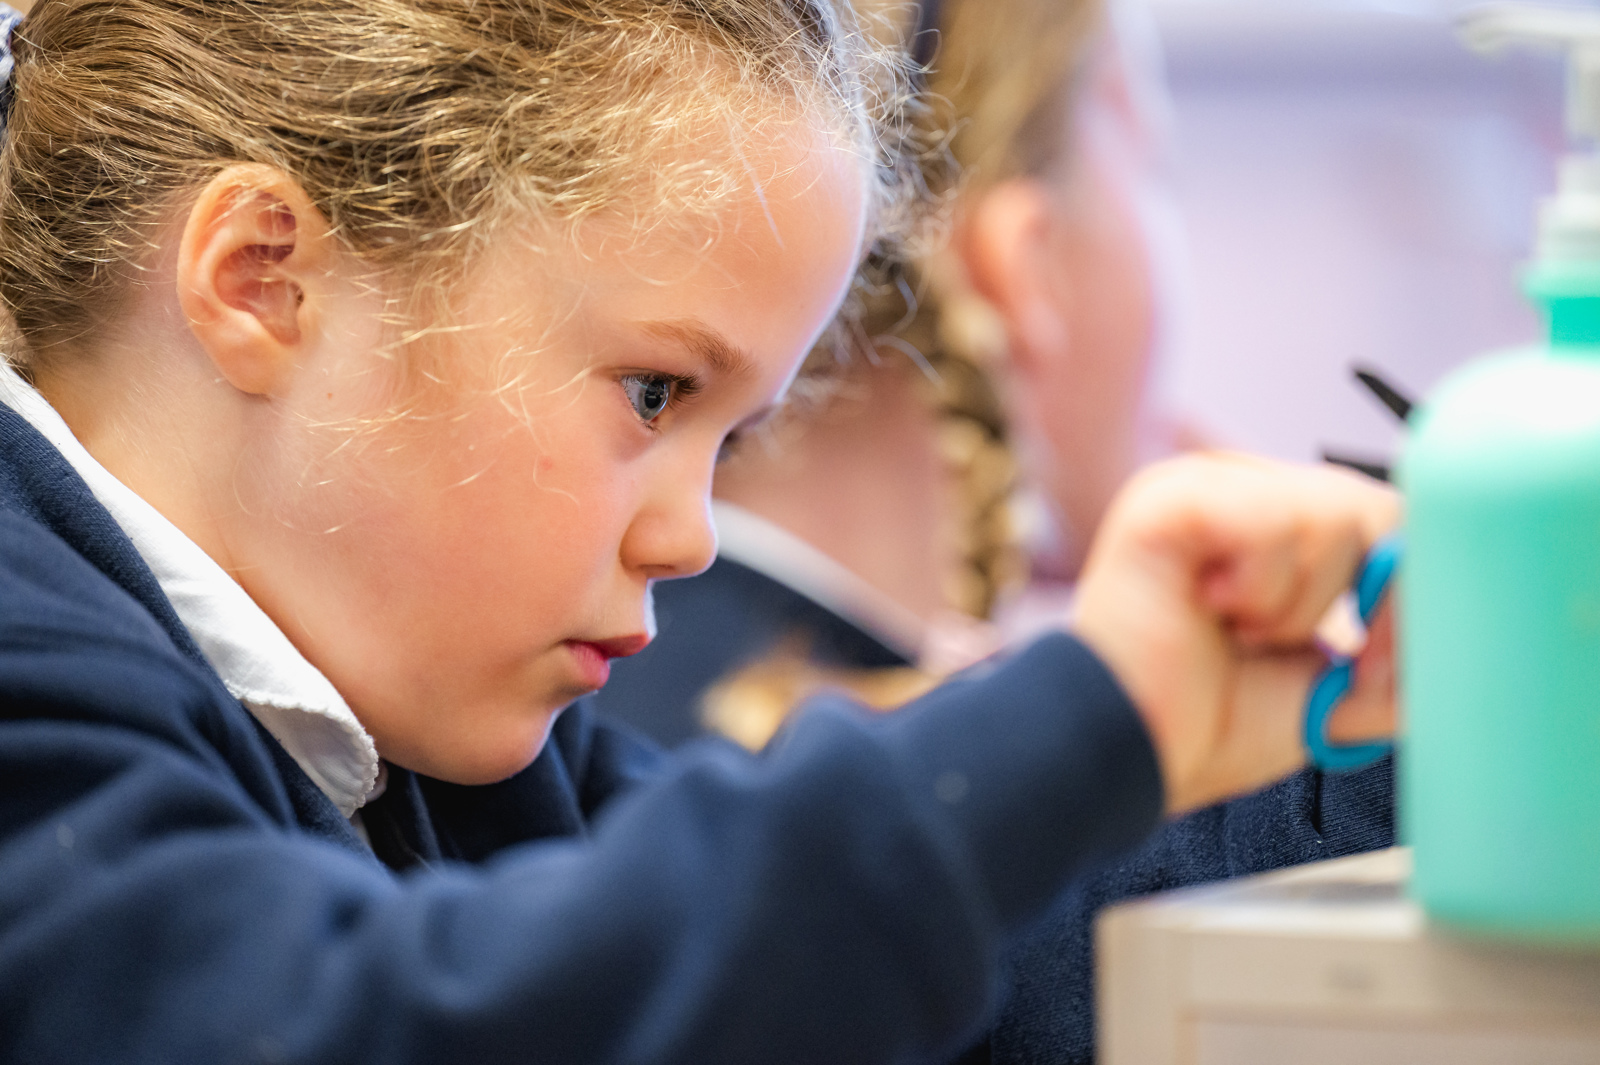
{"x":1203,"y":593}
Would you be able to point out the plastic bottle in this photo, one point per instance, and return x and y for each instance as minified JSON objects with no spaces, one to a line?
{"x":1500,"y":591}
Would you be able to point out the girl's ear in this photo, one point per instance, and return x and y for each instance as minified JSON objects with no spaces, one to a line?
{"x":1006,"y":248}
{"x":252,"y":265}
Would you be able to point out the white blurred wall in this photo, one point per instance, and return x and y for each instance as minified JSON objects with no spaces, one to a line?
{"x":1356,"y":187}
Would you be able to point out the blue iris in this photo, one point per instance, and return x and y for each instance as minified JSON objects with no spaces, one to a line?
{"x":648,"y":394}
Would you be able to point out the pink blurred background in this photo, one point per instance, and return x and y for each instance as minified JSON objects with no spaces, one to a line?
{"x":1351,"y":184}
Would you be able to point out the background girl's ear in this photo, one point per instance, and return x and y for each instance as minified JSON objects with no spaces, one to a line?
{"x":1006,"y":247}
{"x":251,"y":266}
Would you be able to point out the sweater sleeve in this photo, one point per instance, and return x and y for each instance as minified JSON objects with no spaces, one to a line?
{"x":842,"y":899}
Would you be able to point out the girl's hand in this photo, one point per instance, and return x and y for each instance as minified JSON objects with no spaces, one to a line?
{"x":1203,"y":592}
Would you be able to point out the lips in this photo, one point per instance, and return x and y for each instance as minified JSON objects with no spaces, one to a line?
{"x":621,"y":647}
{"x":593,"y":657}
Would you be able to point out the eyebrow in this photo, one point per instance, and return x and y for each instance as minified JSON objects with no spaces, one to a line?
{"x":718,"y":352}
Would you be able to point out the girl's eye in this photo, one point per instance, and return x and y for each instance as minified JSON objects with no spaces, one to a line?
{"x":649,"y":394}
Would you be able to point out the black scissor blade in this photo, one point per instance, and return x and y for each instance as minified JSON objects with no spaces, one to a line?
{"x":1386,"y":393}
{"x":1376,"y":470}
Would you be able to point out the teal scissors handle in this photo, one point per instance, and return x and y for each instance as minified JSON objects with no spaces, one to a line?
{"x":1334,"y":682}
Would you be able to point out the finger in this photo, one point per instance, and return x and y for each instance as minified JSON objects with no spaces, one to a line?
{"x":1259,"y":740}
{"x":1226,"y":514}
{"x":1300,"y":548}
{"x":1324,"y":561}
{"x":1369,"y":710}
{"x":1357,"y":514}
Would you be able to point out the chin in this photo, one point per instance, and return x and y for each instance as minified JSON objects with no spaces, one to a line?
{"x":488,"y":756}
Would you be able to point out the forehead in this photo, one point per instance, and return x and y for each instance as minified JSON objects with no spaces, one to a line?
{"x":793,"y":198}
{"x":766,"y":189}
{"x":760,"y":275}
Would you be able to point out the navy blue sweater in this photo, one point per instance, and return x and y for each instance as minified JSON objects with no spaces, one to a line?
{"x":174,"y":889}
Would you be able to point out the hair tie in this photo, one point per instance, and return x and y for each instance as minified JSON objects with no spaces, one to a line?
{"x":9,"y":19}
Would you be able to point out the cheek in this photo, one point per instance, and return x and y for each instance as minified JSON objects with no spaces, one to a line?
{"x":523,"y":528}
{"x":1085,"y":415}
{"x":1107,"y":277}
{"x":471,"y":551}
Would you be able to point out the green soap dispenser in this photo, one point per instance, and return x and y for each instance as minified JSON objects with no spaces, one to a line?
{"x":1500,"y":591}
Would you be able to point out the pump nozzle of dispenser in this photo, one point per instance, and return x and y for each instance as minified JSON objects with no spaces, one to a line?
{"x":1497,"y":27}
{"x":1565,"y":274}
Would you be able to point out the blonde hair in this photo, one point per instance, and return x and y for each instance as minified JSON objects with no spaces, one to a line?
{"x":1004,"y":69}
{"x":413,"y":125}
{"x":1001,"y":84}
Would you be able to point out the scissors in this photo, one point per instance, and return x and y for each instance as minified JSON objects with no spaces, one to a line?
{"x":1334,"y":682}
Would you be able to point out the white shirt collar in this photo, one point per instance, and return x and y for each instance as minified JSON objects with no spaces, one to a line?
{"x":260,"y":667}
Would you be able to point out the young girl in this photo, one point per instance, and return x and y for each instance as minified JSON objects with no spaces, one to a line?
{"x":372,"y":360}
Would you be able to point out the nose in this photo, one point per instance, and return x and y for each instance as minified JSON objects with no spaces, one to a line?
{"x":671,"y":535}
